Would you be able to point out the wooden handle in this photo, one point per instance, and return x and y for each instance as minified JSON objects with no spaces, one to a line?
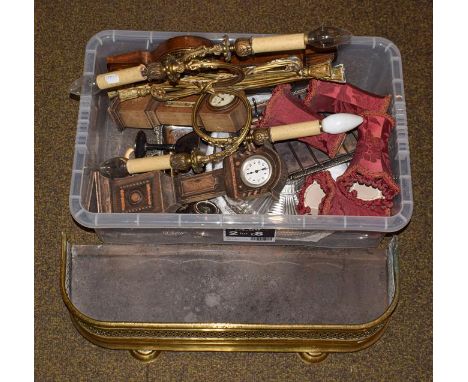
{"x":278,"y":43}
{"x":295,"y":130}
{"x":162,"y":162}
{"x":120,"y":77}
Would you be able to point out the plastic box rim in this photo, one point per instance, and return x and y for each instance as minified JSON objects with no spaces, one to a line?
{"x":291,"y":222}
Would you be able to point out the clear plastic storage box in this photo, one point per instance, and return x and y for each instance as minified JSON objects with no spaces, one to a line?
{"x":371,"y":63}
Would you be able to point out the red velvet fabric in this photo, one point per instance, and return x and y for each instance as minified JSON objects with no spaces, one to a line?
{"x":328,"y":186}
{"x":284,"y":108}
{"x":371,"y":164}
{"x":331,"y":97}
{"x":345,"y":206}
{"x":335,"y":202}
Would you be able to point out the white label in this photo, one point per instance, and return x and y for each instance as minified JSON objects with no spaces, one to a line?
{"x":112,"y":78}
{"x":249,"y":235}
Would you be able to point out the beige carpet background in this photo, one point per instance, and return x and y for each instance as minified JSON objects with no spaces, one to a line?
{"x":62,"y":29}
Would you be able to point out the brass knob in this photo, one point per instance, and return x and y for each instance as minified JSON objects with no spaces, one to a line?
{"x":243,"y":47}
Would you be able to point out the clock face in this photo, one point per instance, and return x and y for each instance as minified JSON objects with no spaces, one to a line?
{"x":221,"y":99}
{"x":256,"y":171}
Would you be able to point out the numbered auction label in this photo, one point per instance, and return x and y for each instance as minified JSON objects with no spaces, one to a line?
{"x":246,"y":235}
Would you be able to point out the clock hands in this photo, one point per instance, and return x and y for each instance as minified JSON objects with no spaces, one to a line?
{"x":219,"y":101}
{"x":255,"y":171}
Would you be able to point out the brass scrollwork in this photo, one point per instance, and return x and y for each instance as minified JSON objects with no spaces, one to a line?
{"x":270,"y":74}
{"x":243,"y":47}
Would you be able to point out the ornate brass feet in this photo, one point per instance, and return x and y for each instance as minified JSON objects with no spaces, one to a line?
{"x":145,"y":355}
{"x":313,"y":357}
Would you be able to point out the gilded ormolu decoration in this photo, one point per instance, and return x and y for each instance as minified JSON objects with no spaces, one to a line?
{"x":272,"y":73}
{"x":243,"y":47}
{"x":260,"y":136}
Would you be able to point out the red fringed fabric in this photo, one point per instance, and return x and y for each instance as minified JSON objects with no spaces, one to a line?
{"x":335,"y":202}
{"x":284,"y":108}
{"x":370,"y":165}
{"x":328,"y":186}
{"x":331,"y":97}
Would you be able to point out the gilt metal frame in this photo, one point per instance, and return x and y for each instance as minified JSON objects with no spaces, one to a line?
{"x":146,"y":340}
